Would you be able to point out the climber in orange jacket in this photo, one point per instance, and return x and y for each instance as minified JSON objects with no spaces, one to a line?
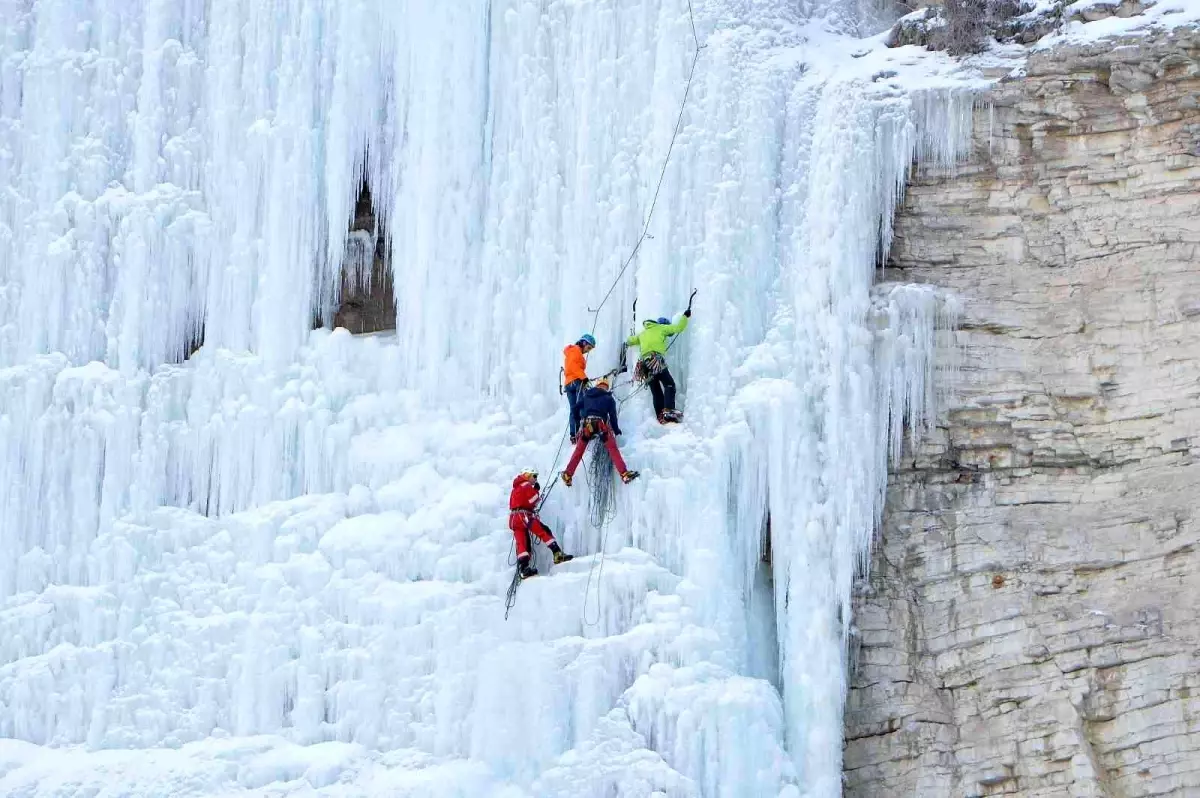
{"x":523,"y":519}
{"x":575,"y":376}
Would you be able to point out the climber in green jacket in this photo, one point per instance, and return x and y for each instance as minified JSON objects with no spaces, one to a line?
{"x":652,"y":364}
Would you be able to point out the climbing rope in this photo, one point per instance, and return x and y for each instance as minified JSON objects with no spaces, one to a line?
{"x":510,"y":599}
{"x":661,"y":175}
{"x":599,"y":478}
{"x":553,"y":472}
{"x":600,"y":487}
{"x":603,"y":528}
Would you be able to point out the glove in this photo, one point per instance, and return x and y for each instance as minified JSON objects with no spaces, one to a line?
{"x":688,"y":313}
{"x":537,"y":487}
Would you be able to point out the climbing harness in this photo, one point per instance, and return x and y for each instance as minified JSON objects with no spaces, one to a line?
{"x":649,"y":366}
{"x":590,"y":428}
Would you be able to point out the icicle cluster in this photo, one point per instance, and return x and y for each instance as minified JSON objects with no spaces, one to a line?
{"x":298,"y":539}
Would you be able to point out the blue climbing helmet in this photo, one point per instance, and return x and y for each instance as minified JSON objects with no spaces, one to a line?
{"x":659,"y":320}
{"x":587,"y":339}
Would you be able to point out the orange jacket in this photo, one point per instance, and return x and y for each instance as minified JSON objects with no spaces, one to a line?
{"x":574,"y":364}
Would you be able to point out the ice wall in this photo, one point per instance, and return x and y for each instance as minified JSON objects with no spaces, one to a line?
{"x":298,"y":538}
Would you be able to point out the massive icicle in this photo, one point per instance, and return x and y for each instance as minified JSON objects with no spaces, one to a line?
{"x":301,"y":535}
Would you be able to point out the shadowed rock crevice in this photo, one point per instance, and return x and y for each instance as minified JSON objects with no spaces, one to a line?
{"x":367,"y":303}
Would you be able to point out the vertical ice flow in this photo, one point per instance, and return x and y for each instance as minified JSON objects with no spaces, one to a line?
{"x":297,"y":534}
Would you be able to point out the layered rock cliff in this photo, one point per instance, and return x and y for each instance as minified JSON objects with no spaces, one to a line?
{"x":1032,"y":622}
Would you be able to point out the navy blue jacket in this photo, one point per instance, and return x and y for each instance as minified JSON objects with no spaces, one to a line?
{"x":600,"y":403}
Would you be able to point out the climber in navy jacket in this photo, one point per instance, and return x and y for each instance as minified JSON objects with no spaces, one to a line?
{"x":598,"y":414}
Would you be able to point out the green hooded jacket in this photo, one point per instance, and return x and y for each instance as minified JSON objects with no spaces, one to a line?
{"x":654,"y":337}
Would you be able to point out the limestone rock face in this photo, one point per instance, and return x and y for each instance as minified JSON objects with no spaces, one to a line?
{"x":1032,"y":622}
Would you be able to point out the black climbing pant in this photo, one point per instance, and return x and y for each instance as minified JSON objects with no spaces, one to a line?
{"x":662,"y":387}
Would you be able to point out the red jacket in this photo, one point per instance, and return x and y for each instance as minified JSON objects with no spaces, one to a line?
{"x":524,"y":495}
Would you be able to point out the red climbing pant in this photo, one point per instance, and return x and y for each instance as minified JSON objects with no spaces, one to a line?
{"x":591,"y":428}
{"x":522,"y":522}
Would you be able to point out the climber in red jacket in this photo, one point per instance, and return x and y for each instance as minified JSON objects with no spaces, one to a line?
{"x":523,"y":519}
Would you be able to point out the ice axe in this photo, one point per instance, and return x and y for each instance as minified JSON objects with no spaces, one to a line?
{"x":622,"y":362}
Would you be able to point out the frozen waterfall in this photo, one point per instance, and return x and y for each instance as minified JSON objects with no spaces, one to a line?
{"x":278,"y":565}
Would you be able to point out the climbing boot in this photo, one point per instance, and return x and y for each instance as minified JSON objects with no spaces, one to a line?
{"x":527,"y":570}
{"x":559,"y":556}
{"x":566,"y":478}
{"x":628,"y":476}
